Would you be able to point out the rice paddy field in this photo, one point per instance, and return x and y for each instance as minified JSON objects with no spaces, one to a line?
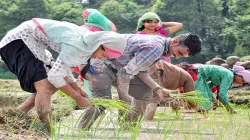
{"x":184,"y":125}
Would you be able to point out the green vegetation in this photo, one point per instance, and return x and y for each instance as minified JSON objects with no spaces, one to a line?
{"x":224,"y":25}
{"x":187,"y":124}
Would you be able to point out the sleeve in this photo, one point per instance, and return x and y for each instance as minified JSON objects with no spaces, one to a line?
{"x":69,"y":54}
{"x":167,"y":30}
{"x":201,"y":85}
{"x":58,"y":72}
{"x":70,"y":76}
{"x":142,"y":60}
{"x":225,"y":85}
{"x":163,"y":31}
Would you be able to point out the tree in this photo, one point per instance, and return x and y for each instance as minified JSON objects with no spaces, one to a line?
{"x":11,"y":15}
{"x":67,"y":11}
{"x":237,"y":30}
{"x":124,"y":14}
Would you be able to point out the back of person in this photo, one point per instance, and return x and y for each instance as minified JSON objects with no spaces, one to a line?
{"x":214,"y":73}
{"x":136,"y":41}
{"x":168,"y":75}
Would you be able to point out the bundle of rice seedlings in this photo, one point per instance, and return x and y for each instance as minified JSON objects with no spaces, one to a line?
{"x":106,"y":103}
{"x":110,"y":104}
{"x":192,"y":100}
{"x":193,"y":96}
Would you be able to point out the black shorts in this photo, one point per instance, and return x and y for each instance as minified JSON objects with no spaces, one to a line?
{"x":22,"y":62}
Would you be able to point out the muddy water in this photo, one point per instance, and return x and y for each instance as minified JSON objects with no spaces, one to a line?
{"x":189,"y":125}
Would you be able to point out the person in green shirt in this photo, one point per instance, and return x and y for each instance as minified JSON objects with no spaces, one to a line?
{"x":210,"y":76}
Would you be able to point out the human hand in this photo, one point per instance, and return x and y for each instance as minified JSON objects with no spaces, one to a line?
{"x":82,"y":101}
{"x":175,"y":105}
{"x":164,"y":94}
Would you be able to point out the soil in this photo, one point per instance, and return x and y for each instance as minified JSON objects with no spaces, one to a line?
{"x":15,"y":125}
{"x":9,"y":84}
{"x":240,"y":95}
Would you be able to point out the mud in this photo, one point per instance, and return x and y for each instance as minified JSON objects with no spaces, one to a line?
{"x":189,"y":125}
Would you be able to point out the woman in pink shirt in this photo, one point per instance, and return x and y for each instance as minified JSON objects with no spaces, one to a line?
{"x":150,"y":23}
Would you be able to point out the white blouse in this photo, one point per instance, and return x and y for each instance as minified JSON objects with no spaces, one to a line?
{"x":37,"y":42}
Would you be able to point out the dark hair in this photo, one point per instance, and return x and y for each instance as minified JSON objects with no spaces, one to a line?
{"x":142,"y":28}
{"x":192,"y":42}
{"x":85,"y":71}
{"x":186,"y":66}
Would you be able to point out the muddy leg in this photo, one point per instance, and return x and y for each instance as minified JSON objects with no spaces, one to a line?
{"x":100,"y":88}
{"x":29,"y":103}
{"x":122,"y":89}
{"x":90,"y":116}
{"x":139,"y":108}
{"x":150,"y":111}
{"x":43,"y":100}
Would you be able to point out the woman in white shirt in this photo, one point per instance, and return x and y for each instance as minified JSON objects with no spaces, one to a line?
{"x":23,"y":51}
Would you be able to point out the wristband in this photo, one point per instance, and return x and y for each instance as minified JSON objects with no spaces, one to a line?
{"x":156,"y":89}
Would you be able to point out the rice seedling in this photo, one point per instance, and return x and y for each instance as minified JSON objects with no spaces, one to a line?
{"x":193,"y":96}
{"x":110,"y":104}
{"x":168,"y":125}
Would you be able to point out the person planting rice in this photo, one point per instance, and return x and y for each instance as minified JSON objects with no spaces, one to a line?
{"x":150,"y":23}
{"x":190,"y":69}
{"x":210,"y":76}
{"x":94,"y":21}
{"x":142,"y":51}
{"x":23,"y":51}
{"x":167,"y":76}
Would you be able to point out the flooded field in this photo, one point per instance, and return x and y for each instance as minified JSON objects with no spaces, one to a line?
{"x":217,"y":124}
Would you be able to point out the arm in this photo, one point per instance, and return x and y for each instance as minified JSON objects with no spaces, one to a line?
{"x":61,"y":77}
{"x":78,"y":89}
{"x":142,"y":60}
{"x":146,"y":78}
{"x":201,"y":85}
{"x":225,"y":85}
{"x":172,"y":26}
{"x":162,"y":93}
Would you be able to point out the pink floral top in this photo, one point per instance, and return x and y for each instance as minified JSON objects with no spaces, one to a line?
{"x":161,"y":32}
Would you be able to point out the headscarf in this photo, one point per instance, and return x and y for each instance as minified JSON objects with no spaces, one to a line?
{"x":110,"y":41}
{"x":95,"y":19}
{"x":97,"y":22}
{"x":147,"y":16}
{"x":87,"y":12}
{"x":239,"y":70}
{"x":77,"y":44}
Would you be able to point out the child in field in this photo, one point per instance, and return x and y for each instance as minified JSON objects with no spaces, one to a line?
{"x":94,"y":21}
